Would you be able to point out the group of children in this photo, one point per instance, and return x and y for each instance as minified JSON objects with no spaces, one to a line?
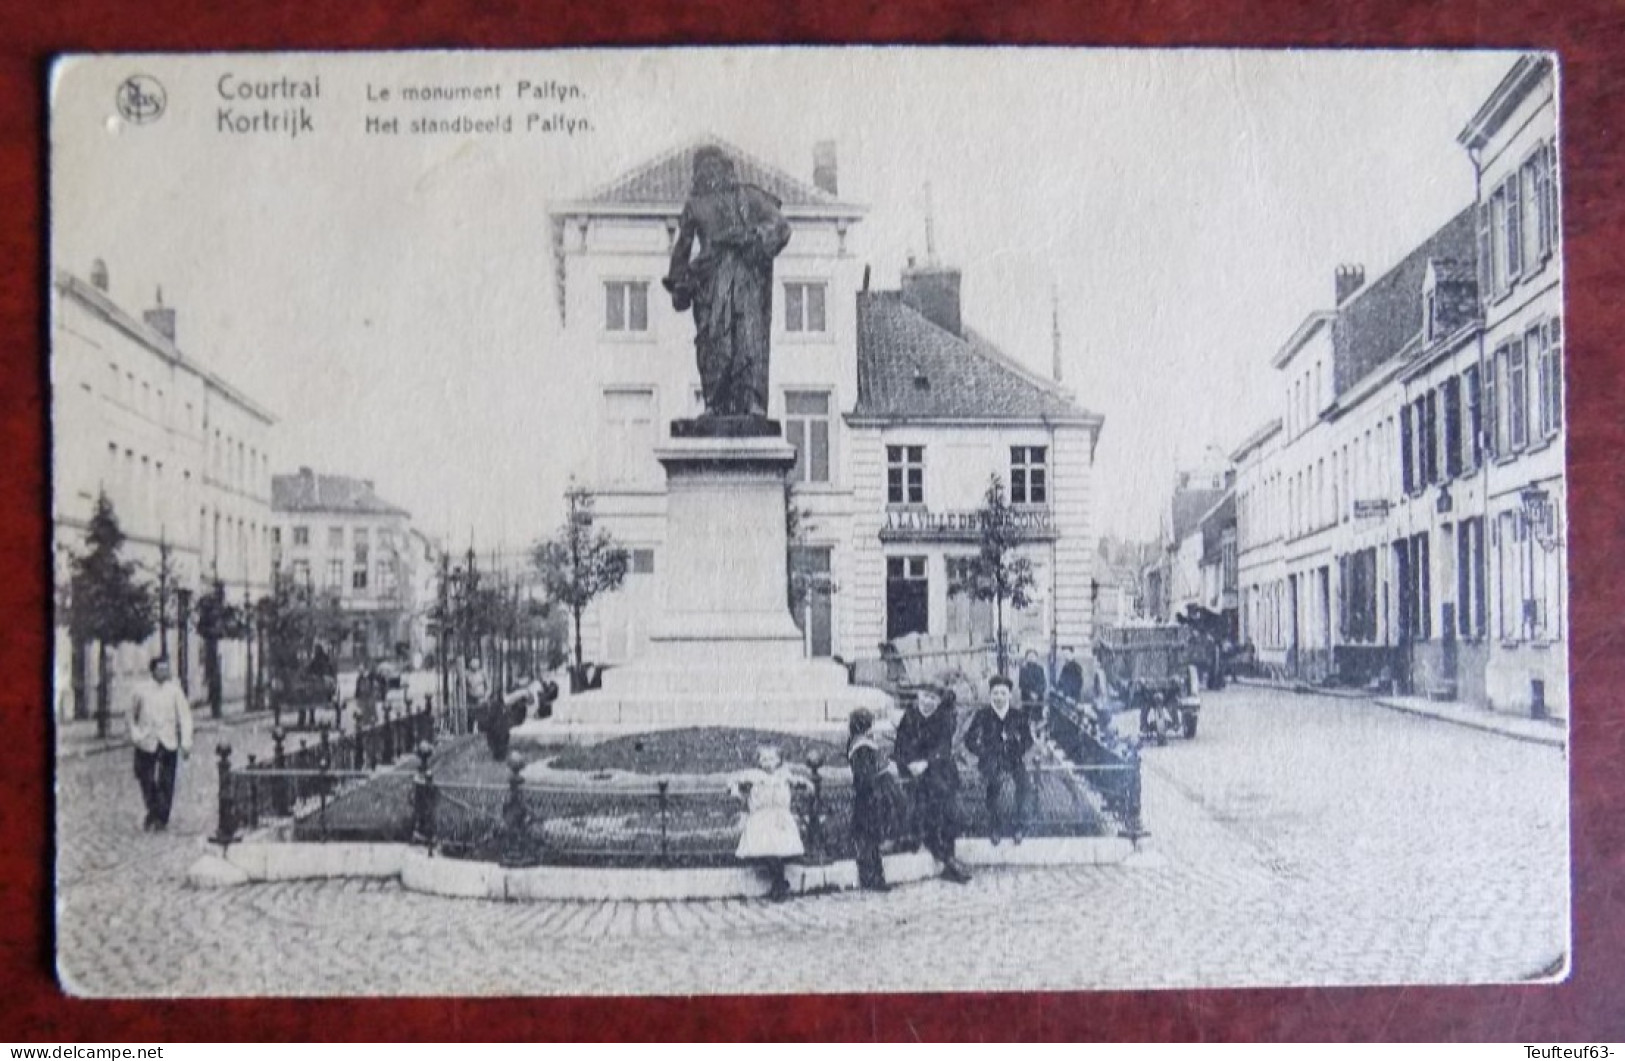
{"x":999,"y":736}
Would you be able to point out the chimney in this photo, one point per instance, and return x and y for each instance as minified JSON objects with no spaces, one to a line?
{"x":98,"y":275}
{"x":933,"y":291}
{"x":1349,"y":279}
{"x":305,"y":472}
{"x":161,"y":318}
{"x":825,"y":172}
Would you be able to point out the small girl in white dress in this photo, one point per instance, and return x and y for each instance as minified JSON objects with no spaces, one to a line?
{"x":771,"y":835}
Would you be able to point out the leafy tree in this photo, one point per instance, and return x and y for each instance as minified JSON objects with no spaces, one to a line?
{"x":217,"y":620}
{"x":997,"y":574}
{"x":296,"y":618}
{"x":579,"y":564}
{"x":106,"y":603}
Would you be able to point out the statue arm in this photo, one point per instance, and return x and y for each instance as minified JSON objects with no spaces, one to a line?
{"x":677,"y":280}
{"x":771,"y":230}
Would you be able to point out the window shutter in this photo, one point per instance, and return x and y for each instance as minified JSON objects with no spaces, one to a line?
{"x":1554,"y":195}
{"x":1543,"y":202}
{"x":1492,"y":406}
{"x":1405,"y":447}
{"x":1486,"y":254}
{"x":1514,"y":196}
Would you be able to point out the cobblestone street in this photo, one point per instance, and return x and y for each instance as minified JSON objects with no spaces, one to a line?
{"x":1297,"y":840}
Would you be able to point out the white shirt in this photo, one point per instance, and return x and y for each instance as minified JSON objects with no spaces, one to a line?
{"x":161,"y":715}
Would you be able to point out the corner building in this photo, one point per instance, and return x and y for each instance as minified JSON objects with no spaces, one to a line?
{"x":898,"y":411}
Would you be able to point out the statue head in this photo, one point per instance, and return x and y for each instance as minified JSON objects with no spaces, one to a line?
{"x":713,"y":170}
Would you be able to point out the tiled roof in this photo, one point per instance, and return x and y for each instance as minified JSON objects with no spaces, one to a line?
{"x":1189,"y":508}
{"x":1383,"y":317}
{"x":310,"y":492}
{"x":909,"y":368}
{"x":668,"y":179}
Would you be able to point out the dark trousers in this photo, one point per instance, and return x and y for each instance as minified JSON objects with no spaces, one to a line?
{"x":871,"y":870}
{"x":935,"y":816}
{"x":155,"y":771}
{"x":998,"y":821}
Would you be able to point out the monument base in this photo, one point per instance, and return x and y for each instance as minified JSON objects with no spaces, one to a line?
{"x":726,"y":651}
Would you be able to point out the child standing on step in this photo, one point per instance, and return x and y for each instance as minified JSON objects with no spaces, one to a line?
{"x":771,"y":836}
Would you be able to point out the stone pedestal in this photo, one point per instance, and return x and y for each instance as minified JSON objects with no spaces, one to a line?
{"x":725,"y":651}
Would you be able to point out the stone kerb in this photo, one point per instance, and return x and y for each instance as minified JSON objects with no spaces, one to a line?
{"x":418,"y":871}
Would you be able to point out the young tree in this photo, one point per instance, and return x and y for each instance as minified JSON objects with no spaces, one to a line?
{"x":580,"y":564}
{"x":106,"y":603}
{"x":217,"y":620}
{"x":997,"y":574}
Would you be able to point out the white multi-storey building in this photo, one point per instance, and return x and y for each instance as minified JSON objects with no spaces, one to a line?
{"x":335,"y":534}
{"x":899,"y":414}
{"x":1417,"y":494}
{"x":1512,"y":140}
{"x":183,"y":456}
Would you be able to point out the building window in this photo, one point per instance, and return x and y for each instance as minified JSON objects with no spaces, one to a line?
{"x":1470,"y":578}
{"x":335,"y":537}
{"x":358,"y":577}
{"x":804,"y":307}
{"x":1029,"y":475}
{"x":1407,"y":477}
{"x":335,"y":574}
{"x":1473,"y":440}
{"x":301,"y":535}
{"x":967,"y":616}
{"x":908,"y":597}
{"x":905,"y":475}
{"x":301,"y":573}
{"x":626,"y":305}
{"x":807,"y":426}
{"x":1517,"y":386}
{"x":1451,"y":389}
{"x":1551,"y":378}
{"x":384,"y":577}
{"x":643,"y":561}
{"x":361,"y":551}
{"x":629,"y":435}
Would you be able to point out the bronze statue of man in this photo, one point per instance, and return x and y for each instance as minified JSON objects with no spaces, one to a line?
{"x":729,"y":283}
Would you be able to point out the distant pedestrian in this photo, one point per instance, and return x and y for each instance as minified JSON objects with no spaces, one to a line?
{"x":771,"y":836}
{"x":368,"y":689}
{"x":924,"y":750}
{"x":878,"y":803}
{"x":1000,"y":738}
{"x":1071,"y":680}
{"x":1034,"y":685}
{"x":161,"y":731}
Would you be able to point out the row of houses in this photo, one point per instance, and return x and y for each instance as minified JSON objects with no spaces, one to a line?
{"x":900,"y":412}
{"x":1401,"y":522}
{"x":186,"y":459}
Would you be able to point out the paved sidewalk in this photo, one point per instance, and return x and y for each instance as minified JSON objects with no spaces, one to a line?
{"x":1550,"y":732}
{"x":77,"y":738}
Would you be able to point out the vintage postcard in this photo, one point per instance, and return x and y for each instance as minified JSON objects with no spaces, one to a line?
{"x":808,"y":520}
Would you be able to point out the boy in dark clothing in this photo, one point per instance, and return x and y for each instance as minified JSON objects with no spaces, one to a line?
{"x":1071,"y":681}
{"x":876,"y":798}
{"x":1034,"y":687}
{"x":1000,"y":738}
{"x":924,"y":751}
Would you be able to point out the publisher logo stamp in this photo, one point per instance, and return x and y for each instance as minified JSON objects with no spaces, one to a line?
{"x":141,"y":99}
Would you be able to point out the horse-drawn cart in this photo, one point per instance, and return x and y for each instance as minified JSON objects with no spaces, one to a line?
{"x":1151,"y":668}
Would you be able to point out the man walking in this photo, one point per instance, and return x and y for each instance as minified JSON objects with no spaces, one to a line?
{"x":161,"y":730}
{"x":924,"y":750}
{"x":1000,"y":739}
